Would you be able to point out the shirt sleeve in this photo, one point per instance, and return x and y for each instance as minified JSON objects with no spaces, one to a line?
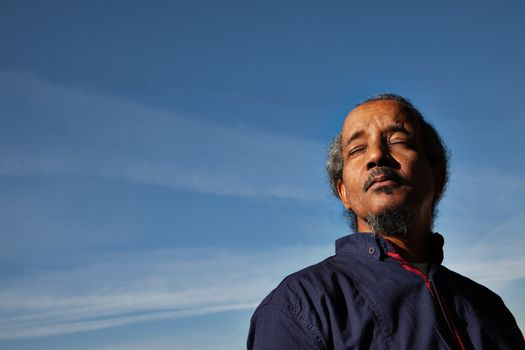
{"x":276,"y":327}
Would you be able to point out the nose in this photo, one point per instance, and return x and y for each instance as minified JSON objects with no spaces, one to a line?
{"x":378,"y":155}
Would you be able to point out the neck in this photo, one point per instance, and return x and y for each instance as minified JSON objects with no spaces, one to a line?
{"x":415,"y":245}
{"x":410,"y":234}
{"x":414,"y":250}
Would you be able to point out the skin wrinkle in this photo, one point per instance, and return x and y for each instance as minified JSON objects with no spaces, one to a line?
{"x":373,"y":151}
{"x":387,"y":178}
{"x":434,"y":148}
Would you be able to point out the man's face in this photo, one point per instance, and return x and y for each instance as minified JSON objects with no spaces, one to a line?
{"x":385,"y":165}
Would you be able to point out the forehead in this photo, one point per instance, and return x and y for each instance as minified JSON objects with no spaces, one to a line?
{"x":378,"y":115}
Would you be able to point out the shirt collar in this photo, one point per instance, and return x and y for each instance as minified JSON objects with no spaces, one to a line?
{"x":375,"y":246}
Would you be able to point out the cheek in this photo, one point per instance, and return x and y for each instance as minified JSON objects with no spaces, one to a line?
{"x":353,"y":189}
{"x":415,"y":165}
{"x":350,"y":179}
{"x":423,"y":177}
{"x":424,"y":169}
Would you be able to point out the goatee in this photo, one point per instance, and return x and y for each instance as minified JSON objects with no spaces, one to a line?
{"x":391,"y":222}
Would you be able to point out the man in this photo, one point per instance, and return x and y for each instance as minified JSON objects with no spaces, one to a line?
{"x":385,"y":288}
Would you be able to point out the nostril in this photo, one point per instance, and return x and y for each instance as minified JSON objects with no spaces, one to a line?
{"x":371,"y":165}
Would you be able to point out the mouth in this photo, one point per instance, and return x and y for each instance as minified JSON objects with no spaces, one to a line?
{"x":382,"y":178}
{"x":382,"y":181}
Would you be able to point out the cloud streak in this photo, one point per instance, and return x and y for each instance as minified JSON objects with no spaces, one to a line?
{"x":53,"y":130}
{"x":164,"y":285}
{"x":142,"y":287}
{"x":77,"y":133}
{"x":493,"y":258}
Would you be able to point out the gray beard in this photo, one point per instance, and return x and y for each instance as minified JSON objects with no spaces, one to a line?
{"x":391,"y":222}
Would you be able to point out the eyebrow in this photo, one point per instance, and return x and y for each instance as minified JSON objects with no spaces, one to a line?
{"x":354,"y":136}
{"x":390,"y":129}
{"x":397,"y":128}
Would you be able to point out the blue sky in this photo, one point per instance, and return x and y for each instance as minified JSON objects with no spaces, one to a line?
{"x":161,"y":163}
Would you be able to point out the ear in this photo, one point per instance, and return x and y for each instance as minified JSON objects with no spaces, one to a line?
{"x":341,"y":190}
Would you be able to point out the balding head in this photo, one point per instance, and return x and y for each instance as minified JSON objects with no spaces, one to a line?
{"x":432,"y":145}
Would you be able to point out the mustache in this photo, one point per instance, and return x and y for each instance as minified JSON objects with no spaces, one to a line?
{"x":385,"y":172}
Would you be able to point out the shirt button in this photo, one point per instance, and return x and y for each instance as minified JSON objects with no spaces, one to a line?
{"x":371,"y":250}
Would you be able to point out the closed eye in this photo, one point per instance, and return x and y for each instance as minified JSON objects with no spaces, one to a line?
{"x":356,"y":150}
{"x":400,"y":137}
{"x":395,"y":142}
{"x":400,"y":141}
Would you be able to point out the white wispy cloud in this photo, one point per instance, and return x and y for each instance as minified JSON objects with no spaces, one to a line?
{"x":493,"y":258}
{"x":142,"y":287}
{"x":51,"y":129}
{"x":211,"y":339}
{"x":483,"y":219}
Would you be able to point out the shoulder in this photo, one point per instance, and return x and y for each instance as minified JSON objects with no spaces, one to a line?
{"x":298,"y":288}
{"x":464,"y":285}
{"x":472,"y":298}
{"x":292,"y":311}
{"x":306,"y":295}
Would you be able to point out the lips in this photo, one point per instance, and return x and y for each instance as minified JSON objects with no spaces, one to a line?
{"x":382,"y":175}
{"x":382,"y":179}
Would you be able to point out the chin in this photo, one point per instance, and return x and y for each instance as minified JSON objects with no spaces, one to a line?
{"x":385,"y":189}
{"x":388,"y":202}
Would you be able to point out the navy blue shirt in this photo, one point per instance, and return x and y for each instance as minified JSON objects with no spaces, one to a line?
{"x":368,"y":297}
